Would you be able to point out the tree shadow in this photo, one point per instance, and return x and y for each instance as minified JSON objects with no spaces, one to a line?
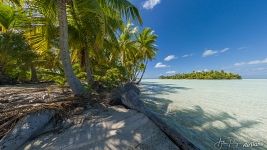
{"x":202,"y":128}
{"x":154,"y":88}
{"x":105,"y":130}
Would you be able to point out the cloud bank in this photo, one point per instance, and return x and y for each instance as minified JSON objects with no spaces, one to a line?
{"x":150,"y":4}
{"x":253,"y":62}
{"x":225,"y":50}
{"x":169,"y":58}
{"x":209,"y":52}
{"x":241,"y":48}
{"x":170,"y":72}
{"x":187,"y":55}
{"x":160,"y":65}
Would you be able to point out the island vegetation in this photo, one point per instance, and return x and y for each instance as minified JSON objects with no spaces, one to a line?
{"x":82,"y":43}
{"x":209,"y":75}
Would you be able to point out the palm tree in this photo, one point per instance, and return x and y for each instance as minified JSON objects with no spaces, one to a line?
{"x":146,"y":43}
{"x":136,"y":49}
{"x":128,"y":50}
{"x":93,"y":22}
{"x":123,"y":8}
{"x":86,"y":34}
{"x":73,"y":81}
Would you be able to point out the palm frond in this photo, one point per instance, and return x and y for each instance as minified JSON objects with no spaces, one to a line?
{"x":124,"y":7}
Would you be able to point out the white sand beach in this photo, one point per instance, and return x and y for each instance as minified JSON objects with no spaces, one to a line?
{"x":114,"y":128}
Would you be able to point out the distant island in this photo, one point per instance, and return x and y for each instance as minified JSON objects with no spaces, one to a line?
{"x":208,"y":75}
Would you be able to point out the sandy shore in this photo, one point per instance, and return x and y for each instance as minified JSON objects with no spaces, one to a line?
{"x":98,"y":127}
{"x":104,"y":129}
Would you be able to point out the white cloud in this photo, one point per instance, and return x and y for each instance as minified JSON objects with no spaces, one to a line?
{"x":187,"y":55}
{"x":160,"y":65}
{"x":253,"y":62}
{"x":207,"y":53}
{"x":150,"y":4}
{"x":225,"y":50}
{"x":240,"y":48}
{"x":260,"y":69}
{"x":239,"y":63}
{"x":211,"y":52}
{"x":170,"y":72}
{"x":169,"y":58}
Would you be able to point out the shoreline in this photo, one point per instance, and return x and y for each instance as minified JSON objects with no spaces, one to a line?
{"x":84,"y":112}
{"x":211,"y":109}
{"x":111,"y":128}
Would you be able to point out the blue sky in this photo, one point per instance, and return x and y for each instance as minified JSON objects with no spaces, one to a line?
{"x":207,"y":34}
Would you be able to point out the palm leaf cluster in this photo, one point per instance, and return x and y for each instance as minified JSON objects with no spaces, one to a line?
{"x":98,"y":36}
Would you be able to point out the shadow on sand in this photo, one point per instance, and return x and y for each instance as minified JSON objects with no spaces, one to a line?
{"x":150,"y":88}
{"x":207,"y":131}
{"x":109,"y":129}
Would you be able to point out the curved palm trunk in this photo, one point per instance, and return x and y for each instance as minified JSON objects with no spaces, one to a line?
{"x":73,"y":81}
{"x":142,"y":73}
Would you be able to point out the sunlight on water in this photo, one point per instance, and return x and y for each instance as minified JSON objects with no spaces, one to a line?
{"x":206,"y":110}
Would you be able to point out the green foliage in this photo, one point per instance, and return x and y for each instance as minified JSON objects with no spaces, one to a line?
{"x":7,"y":16}
{"x":16,"y":55}
{"x":204,"y":75}
{"x":57,"y":75}
{"x":99,"y":41}
{"x":11,"y":17}
{"x":112,"y":78}
{"x":79,"y":72}
{"x":136,"y":48}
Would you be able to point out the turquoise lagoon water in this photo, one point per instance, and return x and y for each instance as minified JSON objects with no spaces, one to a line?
{"x":208,"y":112}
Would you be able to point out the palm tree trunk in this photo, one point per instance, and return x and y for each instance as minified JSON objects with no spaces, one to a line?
{"x":89,"y":73}
{"x":142,"y":73}
{"x":33,"y":74}
{"x":74,"y":83}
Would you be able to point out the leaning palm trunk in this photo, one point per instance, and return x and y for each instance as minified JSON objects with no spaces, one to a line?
{"x":73,"y":81}
{"x":130,"y":97}
{"x":142,"y":73}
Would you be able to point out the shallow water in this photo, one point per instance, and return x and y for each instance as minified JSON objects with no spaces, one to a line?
{"x":206,"y":111}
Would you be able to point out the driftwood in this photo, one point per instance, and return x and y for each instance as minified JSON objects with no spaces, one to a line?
{"x":10,"y":116}
{"x":29,"y":127}
{"x":18,"y":101}
{"x":27,"y":111}
{"x":24,"y":123}
{"x":130,"y":98}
